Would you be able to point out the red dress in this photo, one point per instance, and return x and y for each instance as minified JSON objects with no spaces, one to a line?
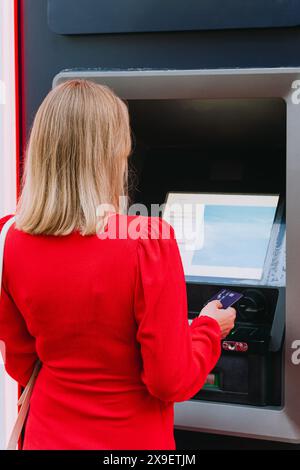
{"x":108,"y":319}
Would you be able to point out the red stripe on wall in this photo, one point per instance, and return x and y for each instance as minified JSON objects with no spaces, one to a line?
{"x":19,"y":87}
{"x":17,"y":120}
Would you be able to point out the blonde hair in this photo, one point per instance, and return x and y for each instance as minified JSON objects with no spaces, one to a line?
{"x":76,"y":160}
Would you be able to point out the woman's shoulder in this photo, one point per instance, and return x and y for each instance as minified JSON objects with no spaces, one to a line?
{"x":141,"y":228}
{"x":156,"y":247}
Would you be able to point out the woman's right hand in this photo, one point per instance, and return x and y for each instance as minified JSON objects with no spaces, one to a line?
{"x":225,"y":317}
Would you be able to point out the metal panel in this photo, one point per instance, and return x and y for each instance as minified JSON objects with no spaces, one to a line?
{"x":130,"y":16}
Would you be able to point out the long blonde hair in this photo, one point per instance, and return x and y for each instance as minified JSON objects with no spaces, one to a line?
{"x":76,"y":160}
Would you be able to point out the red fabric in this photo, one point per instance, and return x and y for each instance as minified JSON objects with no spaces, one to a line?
{"x":108,"y":319}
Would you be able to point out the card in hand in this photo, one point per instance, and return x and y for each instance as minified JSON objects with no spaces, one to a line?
{"x":227,"y":297}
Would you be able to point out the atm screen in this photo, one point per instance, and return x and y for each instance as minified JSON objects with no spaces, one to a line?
{"x":222,"y":235}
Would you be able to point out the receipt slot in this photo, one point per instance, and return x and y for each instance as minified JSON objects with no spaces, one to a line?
{"x":229,"y":138}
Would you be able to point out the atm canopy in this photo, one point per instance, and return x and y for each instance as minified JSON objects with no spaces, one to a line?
{"x":131,"y":16}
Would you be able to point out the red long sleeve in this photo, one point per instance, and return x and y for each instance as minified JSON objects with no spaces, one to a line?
{"x":19,"y":346}
{"x":20,"y":354}
{"x":176,"y":357}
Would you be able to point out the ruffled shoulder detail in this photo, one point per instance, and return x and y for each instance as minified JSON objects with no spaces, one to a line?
{"x":155,"y":228}
{"x":4,"y":219}
{"x":157,"y":250}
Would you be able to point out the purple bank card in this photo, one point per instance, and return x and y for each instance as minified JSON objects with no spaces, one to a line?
{"x":227,"y":297}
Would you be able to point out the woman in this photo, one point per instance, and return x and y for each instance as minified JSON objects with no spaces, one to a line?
{"x":106,"y":315}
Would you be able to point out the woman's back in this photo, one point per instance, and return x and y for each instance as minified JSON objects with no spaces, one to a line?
{"x":114,"y":341}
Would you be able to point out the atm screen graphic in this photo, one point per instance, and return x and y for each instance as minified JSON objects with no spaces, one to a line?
{"x":222,"y":235}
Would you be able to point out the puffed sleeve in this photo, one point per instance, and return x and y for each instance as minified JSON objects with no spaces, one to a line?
{"x":17,"y":345}
{"x":177,"y":357}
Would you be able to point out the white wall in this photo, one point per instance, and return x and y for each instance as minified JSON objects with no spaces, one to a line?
{"x":8,"y":388}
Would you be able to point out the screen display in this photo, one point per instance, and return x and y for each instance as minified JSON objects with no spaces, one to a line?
{"x":222,"y":235}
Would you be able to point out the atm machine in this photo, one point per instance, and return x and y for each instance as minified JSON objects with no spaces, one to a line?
{"x":214,"y":108}
{"x":220,"y":139}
